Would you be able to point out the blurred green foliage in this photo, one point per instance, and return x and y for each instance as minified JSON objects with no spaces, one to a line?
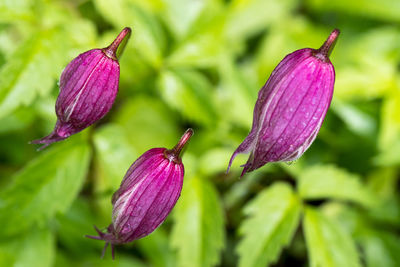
{"x":200,"y":63}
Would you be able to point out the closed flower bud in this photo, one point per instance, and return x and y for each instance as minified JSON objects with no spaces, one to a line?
{"x":88,"y":87}
{"x":291,"y":107}
{"x":147,"y":194}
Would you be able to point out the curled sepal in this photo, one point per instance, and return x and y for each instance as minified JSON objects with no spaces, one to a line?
{"x":107,"y":237}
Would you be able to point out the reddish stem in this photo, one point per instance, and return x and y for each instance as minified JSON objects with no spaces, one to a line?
{"x":111,"y":50}
{"x":326,"y":49}
{"x":174,"y":153}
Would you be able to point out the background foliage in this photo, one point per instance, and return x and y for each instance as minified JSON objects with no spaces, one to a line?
{"x":200,"y":63}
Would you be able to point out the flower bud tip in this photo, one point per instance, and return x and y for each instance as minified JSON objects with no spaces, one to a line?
{"x":326,"y":49}
{"x":111,"y":50}
{"x":174,"y":153}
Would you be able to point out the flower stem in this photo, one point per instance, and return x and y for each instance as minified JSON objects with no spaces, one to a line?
{"x":122,"y":38}
{"x":174,"y":153}
{"x":326,"y":49}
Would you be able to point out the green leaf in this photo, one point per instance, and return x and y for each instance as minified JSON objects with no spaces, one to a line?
{"x":189,"y":92}
{"x":214,"y":161}
{"x":31,"y":70}
{"x":273,"y":217}
{"x":34,"y":249}
{"x":241,"y":190}
{"x":389,"y":135}
{"x":328,"y":245}
{"x":157,"y":249}
{"x":386,"y":10}
{"x":7,"y":42}
{"x":181,"y":14}
{"x":379,"y":245}
{"x":198,"y":232}
{"x":247,"y":17}
{"x":11,"y":11}
{"x":17,"y":121}
{"x":114,"y":156}
{"x":381,"y":249}
{"x":89,"y":260}
{"x":75,"y":224}
{"x":329,"y":181}
{"x":356,"y":120}
{"x":236,"y":92}
{"x":389,"y":156}
{"x":148,"y":123}
{"x":383,"y":183}
{"x":366,"y":64}
{"x":79,"y":34}
{"x":47,"y":185}
{"x":202,"y":47}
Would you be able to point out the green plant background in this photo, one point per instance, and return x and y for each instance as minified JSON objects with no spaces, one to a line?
{"x":200,"y":64}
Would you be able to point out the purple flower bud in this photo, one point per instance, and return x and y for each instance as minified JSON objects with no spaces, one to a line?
{"x":88,"y":87}
{"x":147,"y":194}
{"x":291,"y":107}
